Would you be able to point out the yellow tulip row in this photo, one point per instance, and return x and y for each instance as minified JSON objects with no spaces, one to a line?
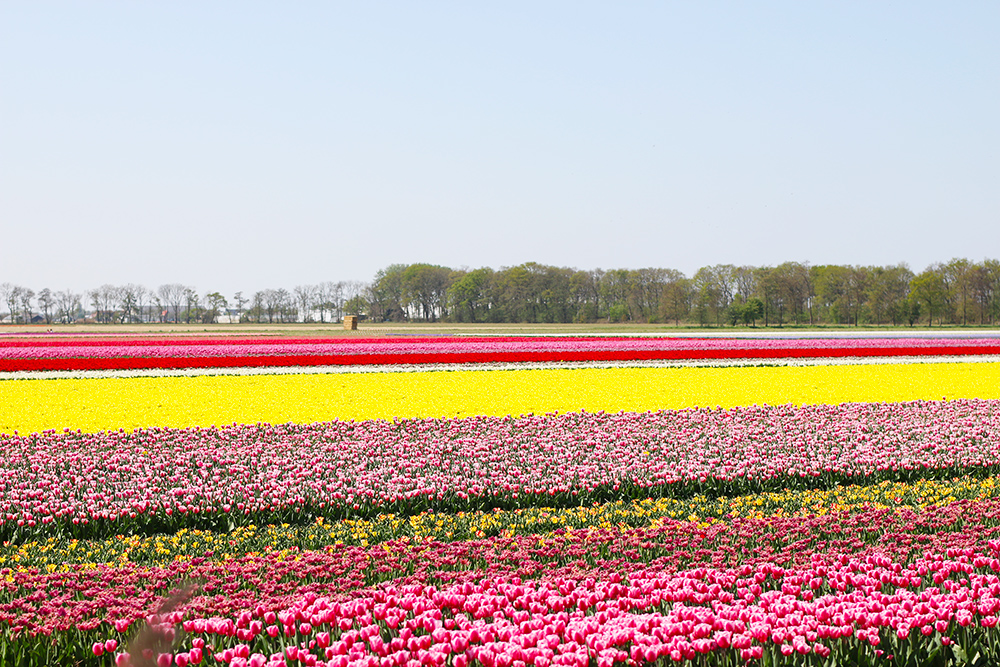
{"x":95,"y":404}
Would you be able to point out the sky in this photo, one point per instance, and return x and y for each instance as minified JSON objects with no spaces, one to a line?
{"x":250,"y":145}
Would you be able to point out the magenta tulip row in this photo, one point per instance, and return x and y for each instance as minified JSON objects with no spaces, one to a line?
{"x":180,"y":476}
{"x":833,"y":585}
{"x":223,"y":347}
{"x":647,"y":618}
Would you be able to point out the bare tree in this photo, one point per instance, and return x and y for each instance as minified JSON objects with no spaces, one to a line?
{"x":352,"y":289}
{"x":5,"y":289}
{"x":158,"y":306}
{"x":11,"y":295}
{"x":103,"y":300}
{"x":26,"y":296}
{"x":271,"y":302}
{"x":284,"y":306}
{"x":322,"y":304}
{"x":130,"y":301}
{"x":107,"y":301}
{"x":257,"y":307}
{"x":94,"y":298}
{"x":305,"y":299}
{"x":240,"y":303}
{"x":172,"y":296}
{"x":337,"y":300}
{"x":46,"y":302}
{"x":67,"y":306}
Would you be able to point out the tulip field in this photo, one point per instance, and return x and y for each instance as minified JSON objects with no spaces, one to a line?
{"x":484,"y":501}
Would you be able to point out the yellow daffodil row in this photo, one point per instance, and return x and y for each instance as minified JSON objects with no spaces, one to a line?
{"x":94,"y":404}
{"x":54,"y":554}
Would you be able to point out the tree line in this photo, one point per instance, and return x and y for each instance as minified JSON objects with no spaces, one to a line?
{"x":958,"y":292}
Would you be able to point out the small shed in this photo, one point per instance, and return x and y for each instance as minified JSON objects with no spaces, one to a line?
{"x":351,"y":322}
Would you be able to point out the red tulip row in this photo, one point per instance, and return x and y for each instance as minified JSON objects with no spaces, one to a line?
{"x":71,"y":355}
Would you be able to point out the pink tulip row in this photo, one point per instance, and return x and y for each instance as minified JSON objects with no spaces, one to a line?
{"x":819,"y":586}
{"x":83,"y":354}
{"x":638,"y":620}
{"x":122,"y":480}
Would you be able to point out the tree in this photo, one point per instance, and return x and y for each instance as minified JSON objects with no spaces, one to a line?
{"x":929,"y":288}
{"x":356,"y":305}
{"x":991,"y":267}
{"x":46,"y":302}
{"x":985,"y":285}
{"x":192,"y":305}
{"x":25,"y":296}
{"x":104,"y":300}
{"x":513,"y":294}
{"x":467,"y":296}
{"x":646,"y":291}
{"x":858,"y":278}
{"x":675,"y":299}
{"x":15,"y":296}
{"x":751,"y":311}
{"x":67,"y":306}
{"x":912,"y":310}
{"x":792,"y":290}
{"x":216,"y":305}
{"x":5,"y":292}
{"x":425,"y":289}
{"x":615,"y":290}
{"x":328,"y":300}
{"x":584,"y":296}
{"x":172,"y":296}
{"x":386,"y":295}
{"x":272,"y":302}
{"x":240,"y":303}
{"x":745,"y":280}
{"x":130,"y":301}
{"x":351,"y":290}
{"x":958,"y":279}
{"x":256,"y":312}
{"x":886,"y":295}
{"x":143,"y":296}
{"x":713,"y":287}
{"x":305,"y":300}
{"x":285,"y":305}
{"x":765,"y":291}
{"x":834,"y":292}
{"x":592,"y":290}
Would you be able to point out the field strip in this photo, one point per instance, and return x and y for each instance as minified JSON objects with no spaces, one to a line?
{"x":95,"y":404}
{"x":512,"y":366}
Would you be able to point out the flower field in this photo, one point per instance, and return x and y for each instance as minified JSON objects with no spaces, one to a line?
{"x":822,"y":514}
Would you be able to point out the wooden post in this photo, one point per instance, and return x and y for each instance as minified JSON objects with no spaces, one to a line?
{"x":351,"y":322}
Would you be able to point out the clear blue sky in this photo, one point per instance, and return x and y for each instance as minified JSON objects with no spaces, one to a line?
{"x":245,"y":145}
